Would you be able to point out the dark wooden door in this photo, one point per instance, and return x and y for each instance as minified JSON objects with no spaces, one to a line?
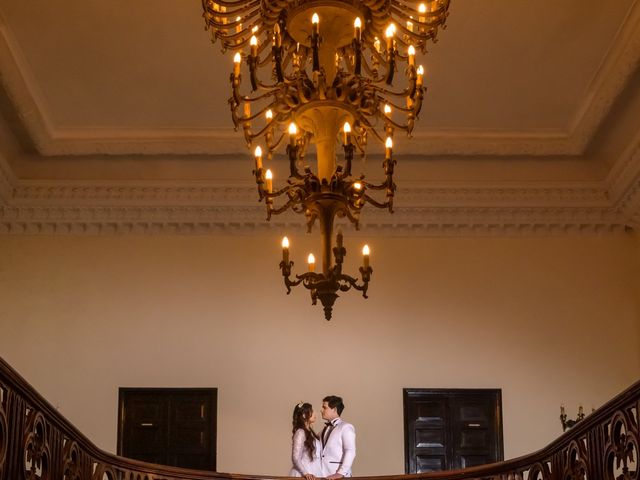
{"x":452,"y":428}
{"x":168,"y":426}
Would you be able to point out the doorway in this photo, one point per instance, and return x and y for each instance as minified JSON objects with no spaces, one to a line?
{"x":451,"y":428}
{"x":169,"y":426}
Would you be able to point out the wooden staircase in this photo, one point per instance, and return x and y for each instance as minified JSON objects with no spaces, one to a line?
{"x":36,"y":442}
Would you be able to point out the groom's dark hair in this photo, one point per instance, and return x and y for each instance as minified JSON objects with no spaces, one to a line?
{"x":334,"y":402}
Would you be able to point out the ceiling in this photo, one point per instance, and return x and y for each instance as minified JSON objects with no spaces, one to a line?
{"x":114,"y":118}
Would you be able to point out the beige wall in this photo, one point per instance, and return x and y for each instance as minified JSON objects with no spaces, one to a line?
{"x":547,"y":320}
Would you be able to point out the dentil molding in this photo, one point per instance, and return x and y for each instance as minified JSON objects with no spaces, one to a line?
{"x":77,"y":209}
{"x":250,"y":220}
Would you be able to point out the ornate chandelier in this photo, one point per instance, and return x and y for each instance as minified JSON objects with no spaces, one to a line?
{"x":322,"y":72}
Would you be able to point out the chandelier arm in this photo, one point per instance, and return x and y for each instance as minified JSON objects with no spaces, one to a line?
{"x":269,"y":93}
{"x":400,"y":108}
{"x":381,"y":186}
{"x":353,"y":218}
{"x":373,"y":72}
{"x":430,"y":18}
{"x":228,"y":3}
{"x":286,"y":266}
{"x":353,"y":283}
{"x":267,"y":58}
{"x":311,"y":280}
{"x":232,"y":44}
{"x":291,"y":283}
{"x":260,"y":132}
{"x":375,"y":203}
{"x":384,"y":91}
{"x":399,"y":126}
{"x":290,"y":190}
{"x":228,"y":30}
{"x":370,"y":128}
{"x":274,"y":146}
{"x":262,"y":111}
{"x":433,"y":18}
{"x":238,"y":34}
{"x":277,"y":211}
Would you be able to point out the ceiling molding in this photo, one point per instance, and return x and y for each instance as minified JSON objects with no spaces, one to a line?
{"x":69,"y":193}
{"x":422,"y":208}
{"x":625,"y":170}
{"x":22,"y":90}
{"x":50,"y":140}
{"x":619,"y":64}
{"x":44,"y":207}
{"x":246,"y":221}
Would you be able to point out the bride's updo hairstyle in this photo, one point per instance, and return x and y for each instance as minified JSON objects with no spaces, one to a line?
{"x":301,"y":414}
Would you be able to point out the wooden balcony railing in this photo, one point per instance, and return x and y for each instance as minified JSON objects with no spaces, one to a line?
{"x":36,"y":442}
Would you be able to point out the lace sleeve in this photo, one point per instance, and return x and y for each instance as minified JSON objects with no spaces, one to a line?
{"x":298,"y":452}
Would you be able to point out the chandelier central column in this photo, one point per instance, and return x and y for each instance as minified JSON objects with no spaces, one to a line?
{"x":325,"y":120}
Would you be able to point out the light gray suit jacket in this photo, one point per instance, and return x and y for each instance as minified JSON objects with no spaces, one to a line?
{"x":338,"y":448}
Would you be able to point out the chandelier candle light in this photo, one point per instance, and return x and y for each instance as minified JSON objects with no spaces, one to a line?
{"x":326,"y":78}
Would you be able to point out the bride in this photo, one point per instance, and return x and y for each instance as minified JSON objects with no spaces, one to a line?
{"x":305,"y":451}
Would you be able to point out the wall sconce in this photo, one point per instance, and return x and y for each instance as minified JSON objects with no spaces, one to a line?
{"x":570,"y":423}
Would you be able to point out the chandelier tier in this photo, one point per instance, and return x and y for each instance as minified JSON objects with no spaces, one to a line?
{"x":322,"y":72}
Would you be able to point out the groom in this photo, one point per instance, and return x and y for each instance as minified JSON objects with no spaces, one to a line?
{"x":338,"y":440}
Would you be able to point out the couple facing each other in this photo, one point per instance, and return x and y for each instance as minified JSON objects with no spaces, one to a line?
{"x":330,"y":454}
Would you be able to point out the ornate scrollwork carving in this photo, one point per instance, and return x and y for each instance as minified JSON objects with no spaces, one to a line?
{"x":539,"y":471}
{"x":71,"y":467}
{"x":621,"y":449}
{"x":576,"y":458}
{"x":36,"y":448}
{"x":102,"y":471}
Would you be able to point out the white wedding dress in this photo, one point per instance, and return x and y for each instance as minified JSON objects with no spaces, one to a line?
{"x":300,"y":458}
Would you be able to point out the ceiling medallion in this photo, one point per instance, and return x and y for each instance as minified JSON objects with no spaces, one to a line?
{"x":323,"y":72}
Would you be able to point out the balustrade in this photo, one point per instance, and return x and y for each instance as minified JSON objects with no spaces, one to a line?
{"x":37,"y":443}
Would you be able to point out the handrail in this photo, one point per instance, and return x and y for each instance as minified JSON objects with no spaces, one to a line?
{"x":37,"y":442}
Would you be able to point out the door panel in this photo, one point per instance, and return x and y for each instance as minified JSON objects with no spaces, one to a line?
{"x":174,"y":427}
{"x":448,"y":429}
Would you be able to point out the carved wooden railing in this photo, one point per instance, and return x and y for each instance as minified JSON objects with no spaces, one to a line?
{"x":36,"y":442}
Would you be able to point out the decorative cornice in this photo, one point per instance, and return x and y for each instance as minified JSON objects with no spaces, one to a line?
{"x":502,"y":208}
{"x":133,"y":194}
{"x":206,"y":193}
{"x":238,"y":220}
{"x":79,"y":208}
{"x":50,"y":140}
